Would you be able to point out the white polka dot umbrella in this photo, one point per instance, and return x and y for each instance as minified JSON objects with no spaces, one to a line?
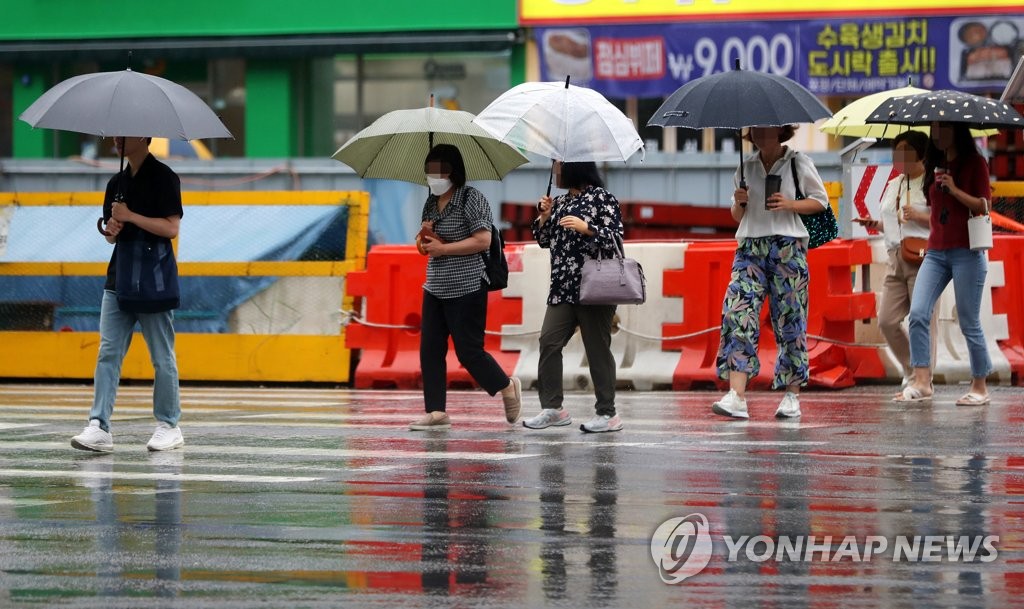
{"x":947,"y":106}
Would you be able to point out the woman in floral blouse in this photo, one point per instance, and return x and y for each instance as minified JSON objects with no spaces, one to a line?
{"x":575,"y":226}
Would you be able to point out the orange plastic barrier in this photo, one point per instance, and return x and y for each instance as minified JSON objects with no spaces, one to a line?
{"x":833,"y":310}
{"x":392,"y":289}
{"x":1009,"y":300}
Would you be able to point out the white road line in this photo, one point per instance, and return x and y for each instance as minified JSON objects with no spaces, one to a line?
{"x":19,"y":425}
{"x":31,"y":473}
{"x":334,"y":453}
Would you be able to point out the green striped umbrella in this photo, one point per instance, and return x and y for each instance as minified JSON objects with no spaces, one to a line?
{"x":395,"y":145}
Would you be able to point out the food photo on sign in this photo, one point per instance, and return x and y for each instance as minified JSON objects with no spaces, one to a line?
{"x":984,"y":50}
{"x":567,"y":53}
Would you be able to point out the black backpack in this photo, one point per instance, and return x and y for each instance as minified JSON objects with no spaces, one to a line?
{"x":495,"y":263}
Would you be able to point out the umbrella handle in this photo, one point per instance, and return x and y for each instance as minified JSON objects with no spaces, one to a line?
{"x":743,"y":179}
{"x":551,"y":177}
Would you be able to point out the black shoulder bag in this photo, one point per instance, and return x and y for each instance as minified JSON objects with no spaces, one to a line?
{"x":822,"y":226}
{"x":495,"y":263}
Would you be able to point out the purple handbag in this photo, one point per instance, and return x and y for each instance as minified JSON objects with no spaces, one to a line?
{"x":613,"y":281}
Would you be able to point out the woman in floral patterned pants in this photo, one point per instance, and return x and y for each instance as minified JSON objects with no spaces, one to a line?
{"x":771,"y":261}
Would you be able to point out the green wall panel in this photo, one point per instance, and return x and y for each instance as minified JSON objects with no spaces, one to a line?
{"x":269,"y":113}
{"x":29,"y":83}
{"x":37,"y":19}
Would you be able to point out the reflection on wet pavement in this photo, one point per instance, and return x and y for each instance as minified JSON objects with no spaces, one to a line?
{"x":320,"y":498}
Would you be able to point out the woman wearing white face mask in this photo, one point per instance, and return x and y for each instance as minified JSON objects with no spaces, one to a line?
{"x":455,"y":294}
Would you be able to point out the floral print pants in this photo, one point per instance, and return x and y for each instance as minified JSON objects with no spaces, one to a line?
{"x":775,"y":267}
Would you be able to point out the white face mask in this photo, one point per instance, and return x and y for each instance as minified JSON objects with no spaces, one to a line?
{"x":438,"y":186}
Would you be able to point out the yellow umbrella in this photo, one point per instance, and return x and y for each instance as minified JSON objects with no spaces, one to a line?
{"x":163,"y":148}
{"x":851,"y":120}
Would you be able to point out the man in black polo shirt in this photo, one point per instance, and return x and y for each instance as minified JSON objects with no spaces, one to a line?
{"x":151,"y":211}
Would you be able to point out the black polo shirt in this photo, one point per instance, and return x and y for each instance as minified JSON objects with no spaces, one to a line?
{"x":154,"y":191}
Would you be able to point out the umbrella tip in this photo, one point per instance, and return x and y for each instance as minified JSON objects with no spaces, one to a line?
{"x":129,"y":60}
{"x":736,"y":64}
{"x":567,"y":76}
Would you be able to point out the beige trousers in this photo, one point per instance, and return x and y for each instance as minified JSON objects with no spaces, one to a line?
{"x":896,"y":292}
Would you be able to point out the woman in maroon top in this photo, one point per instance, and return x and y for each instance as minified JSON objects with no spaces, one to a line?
{"x":957,"y":185}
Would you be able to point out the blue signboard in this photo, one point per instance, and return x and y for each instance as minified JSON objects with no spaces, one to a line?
{"x":847,"y":57}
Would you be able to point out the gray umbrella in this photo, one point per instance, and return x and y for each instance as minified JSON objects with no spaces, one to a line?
{"x":125,"y":103}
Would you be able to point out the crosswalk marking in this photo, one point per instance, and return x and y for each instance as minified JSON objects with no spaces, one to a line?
{"x":18,"y":425}
{"x":269,"y":451}
{"x":33,"y":473}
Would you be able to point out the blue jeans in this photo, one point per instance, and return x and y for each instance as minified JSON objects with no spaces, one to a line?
{"x":116,"y":327}
{"x":967,"y":270}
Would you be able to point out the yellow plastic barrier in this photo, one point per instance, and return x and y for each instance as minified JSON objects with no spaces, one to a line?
{"x":213,"y":357}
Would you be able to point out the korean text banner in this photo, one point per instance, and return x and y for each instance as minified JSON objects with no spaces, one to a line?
{"x":554,"y":12}
{"x":830,"y":57}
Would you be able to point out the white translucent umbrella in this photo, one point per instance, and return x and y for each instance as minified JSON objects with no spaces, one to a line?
{"x":562,"y":122}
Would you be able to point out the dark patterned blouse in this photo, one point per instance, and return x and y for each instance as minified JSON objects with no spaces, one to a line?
{"x":600,"y":210}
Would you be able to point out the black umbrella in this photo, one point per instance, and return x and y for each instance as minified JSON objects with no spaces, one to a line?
{"x":947,"y":106}
{"x":738,"y":99}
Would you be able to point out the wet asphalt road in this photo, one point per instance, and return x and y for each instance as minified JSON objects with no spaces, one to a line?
{"x":320,"y":498}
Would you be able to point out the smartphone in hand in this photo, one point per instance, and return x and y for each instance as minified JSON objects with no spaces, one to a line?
{"x":772,"y":185}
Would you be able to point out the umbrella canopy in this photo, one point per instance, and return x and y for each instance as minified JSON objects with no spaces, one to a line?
{"x":947,"y":106}
{"x":394,"y":146}
{"x":738,"y":99}
{"x":562,"y":122}
{"x":164,"y":148}
{"x":851,"y":121}
{"x":125,"y":103}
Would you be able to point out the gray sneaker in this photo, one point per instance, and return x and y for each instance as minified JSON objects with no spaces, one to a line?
{"x":602,"y":423}
{"x":94,"y":438}
{"x":549,"y":417}
{"x":789,"y":407}
{"x":731,"y":405}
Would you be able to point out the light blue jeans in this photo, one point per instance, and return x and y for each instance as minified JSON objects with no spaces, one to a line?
{"x":967,"y":270}
{"x":116,"y":328}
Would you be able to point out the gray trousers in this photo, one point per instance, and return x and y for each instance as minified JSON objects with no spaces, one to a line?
{"x":595,"y":323}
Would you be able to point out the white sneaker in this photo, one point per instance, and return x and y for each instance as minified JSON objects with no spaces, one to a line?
{"x":549,"y":417}
{"x":165,"y":438}
{"x":789,"y":407}
{"x":602,"y":423}
{"x":93,"y":438}
{"x":731,"y":405}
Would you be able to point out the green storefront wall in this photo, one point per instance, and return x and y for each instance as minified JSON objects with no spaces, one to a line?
{"x":283,"y":109}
